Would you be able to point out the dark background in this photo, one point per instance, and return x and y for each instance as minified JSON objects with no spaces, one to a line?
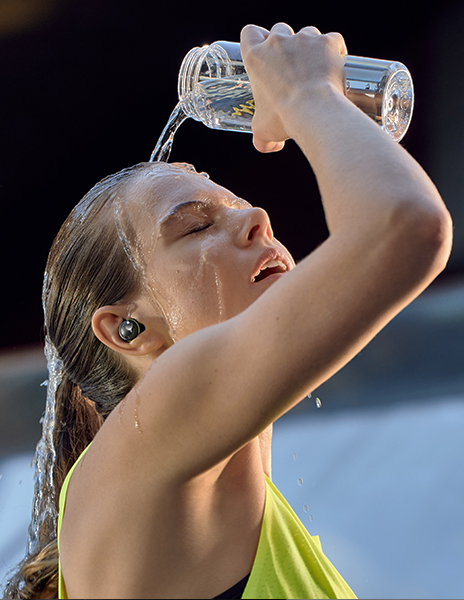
{"x":88,"y":85}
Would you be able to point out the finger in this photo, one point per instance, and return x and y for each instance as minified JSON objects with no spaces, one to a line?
{"x":311,"y":29}
{"x":338,"y":40}
{"x":282,"y":28}
{"x":253,"y":34}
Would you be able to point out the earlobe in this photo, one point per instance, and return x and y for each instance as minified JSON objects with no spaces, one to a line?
{"x":127,"y":335}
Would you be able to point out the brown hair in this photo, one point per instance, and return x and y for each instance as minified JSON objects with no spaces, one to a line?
{"x":88,"y":267}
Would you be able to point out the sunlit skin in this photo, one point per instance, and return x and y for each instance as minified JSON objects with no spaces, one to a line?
{"x":202,"y":249}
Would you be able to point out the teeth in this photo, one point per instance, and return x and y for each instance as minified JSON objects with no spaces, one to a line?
{"x":273,"y":263}
{"x":270,"y":265}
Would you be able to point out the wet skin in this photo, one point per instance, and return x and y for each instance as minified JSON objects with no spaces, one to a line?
{"x":202,"y":248}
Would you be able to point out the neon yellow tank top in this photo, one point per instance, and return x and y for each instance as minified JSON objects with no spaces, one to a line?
{"x":289,"y":562}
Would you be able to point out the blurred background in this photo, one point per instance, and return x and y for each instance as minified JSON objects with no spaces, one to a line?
{"x":86,"y":88}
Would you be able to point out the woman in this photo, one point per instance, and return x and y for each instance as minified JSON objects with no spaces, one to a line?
{"x":185,"y":330}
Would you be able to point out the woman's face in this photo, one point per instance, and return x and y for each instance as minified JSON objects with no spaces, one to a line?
{"x":205,"y":254}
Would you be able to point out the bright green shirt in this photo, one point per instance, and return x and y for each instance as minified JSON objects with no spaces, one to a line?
{"x":289,"y":562}
{"x":62,"y":593}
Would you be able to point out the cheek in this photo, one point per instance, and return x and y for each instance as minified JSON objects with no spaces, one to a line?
{"x":188,"y":291}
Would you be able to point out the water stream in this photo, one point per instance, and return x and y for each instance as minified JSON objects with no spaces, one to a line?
{"x":163,"y":146}
{"x":42,"y":528}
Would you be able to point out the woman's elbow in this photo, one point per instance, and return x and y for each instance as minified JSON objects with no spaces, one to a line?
{"x":427,"y":231}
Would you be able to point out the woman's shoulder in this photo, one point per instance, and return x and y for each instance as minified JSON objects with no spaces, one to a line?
{"x":115,"y":520}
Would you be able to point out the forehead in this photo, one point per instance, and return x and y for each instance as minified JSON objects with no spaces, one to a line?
{"x":149,"y":200}
{"x":157,"y":195}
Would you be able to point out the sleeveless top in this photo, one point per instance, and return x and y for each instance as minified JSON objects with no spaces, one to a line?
{"x":289,"y":563}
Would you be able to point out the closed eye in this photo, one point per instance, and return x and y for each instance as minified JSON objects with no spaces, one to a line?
{"x":199,"y":228}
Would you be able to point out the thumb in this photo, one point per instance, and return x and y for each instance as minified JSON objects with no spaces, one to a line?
{"x":267,"y":147}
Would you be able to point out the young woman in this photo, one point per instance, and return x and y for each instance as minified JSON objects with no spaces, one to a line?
{"x":185,"y":330}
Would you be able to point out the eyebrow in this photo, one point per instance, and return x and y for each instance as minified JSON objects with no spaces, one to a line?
{"x":180,"y":208}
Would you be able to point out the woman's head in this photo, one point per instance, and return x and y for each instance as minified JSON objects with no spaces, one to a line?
{"x":90,"y":265}
{"x":163,"y":244}
{"x":197,"y":247}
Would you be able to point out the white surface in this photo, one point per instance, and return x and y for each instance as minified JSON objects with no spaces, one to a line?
{"x":16,"y":488}
{"x":384,"y":490}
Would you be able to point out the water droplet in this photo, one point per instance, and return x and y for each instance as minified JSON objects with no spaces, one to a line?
{"x":120,"y":411}
{"x":44,"y":383}
{"x":300,"y":481}
{"x":306,"y":508}
{"x":313,"y":483}
{"x":136,"y":419}
{"x":311,"y":517}
{"x":318,"y":403}
{"x":294,"y":457}
{"x":136,"y":411}
{"x":219,"y":296}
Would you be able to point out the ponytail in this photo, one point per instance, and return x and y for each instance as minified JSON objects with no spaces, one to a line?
{"x":36,"y":576}
{"x":76,"y":424}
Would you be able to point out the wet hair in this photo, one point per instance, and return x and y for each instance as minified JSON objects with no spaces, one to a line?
{"x":88,"y":267}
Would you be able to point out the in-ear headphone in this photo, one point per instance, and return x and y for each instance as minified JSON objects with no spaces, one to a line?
{"x":130,"y":329}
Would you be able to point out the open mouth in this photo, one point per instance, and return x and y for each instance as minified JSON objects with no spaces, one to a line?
{"x":270,"y":268}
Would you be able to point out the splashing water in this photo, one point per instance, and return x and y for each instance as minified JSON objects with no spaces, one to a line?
{"x":133,"y":245}
{"x":163,"y":146}
{"x":44,"y":515}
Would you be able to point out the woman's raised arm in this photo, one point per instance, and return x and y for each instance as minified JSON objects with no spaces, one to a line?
{"x":390,"y":236}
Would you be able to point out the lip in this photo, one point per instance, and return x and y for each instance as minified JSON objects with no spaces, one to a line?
{"x":267,"y":256}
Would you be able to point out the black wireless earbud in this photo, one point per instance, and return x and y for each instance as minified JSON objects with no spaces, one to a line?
{"x":130,"y":329}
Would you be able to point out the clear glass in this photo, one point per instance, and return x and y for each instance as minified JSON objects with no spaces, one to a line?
{"x":213,"y":88}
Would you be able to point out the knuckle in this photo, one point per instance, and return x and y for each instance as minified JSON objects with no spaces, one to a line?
{"x":276,"y":38}
{"x":335,"y":40}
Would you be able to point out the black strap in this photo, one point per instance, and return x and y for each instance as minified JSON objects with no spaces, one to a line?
{"x":236,"y":591}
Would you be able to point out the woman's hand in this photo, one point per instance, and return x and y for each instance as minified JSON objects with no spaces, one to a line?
{"x":286,"y":68}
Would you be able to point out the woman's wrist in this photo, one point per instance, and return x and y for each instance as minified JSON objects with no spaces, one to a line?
{"x":312,"y":110}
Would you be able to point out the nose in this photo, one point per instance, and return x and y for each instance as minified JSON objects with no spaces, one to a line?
{"x":255,"y":224}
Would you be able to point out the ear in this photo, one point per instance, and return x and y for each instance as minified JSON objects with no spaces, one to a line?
{"x":153,"y":340}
